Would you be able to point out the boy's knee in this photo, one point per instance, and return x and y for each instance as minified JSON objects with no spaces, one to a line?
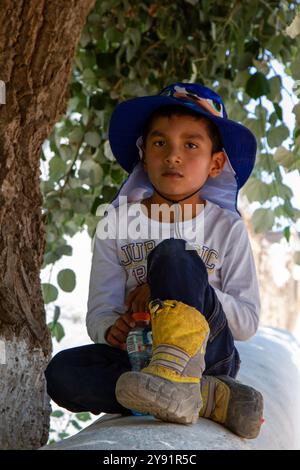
{"x":55,"y":374}
{"x":171,"y":246}
{"x":174,"y":251}
{"x":168,"y":249}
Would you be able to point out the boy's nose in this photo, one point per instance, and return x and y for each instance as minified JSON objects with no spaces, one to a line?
{"x":173,"y":155}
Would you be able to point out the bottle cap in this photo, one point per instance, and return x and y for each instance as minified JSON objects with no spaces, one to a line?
{"x":141,"y":316}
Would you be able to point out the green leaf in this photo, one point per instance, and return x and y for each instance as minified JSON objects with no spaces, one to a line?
{"x":276,"y":135}
{"x":108,"y":192}
{"x":92,"y":139}
{"x":278,"y":110}
{"x":113,"y":35}
{"x":66,"y":280}
{"x":88,"y":76}
{"x":257,"y":85}
{"x":97,"y":202}
{"x":289,"y":209}
{"x":57,"y":168}
{"x":284,"y":157}
{"x":275,"y":88}
{"x":50,"y":293}
{"x":244,"y":61}
{"x":65,"y":203}
{"x":266,"y":162}
{"x":63,"y":435}
{"x":295,"y":67}
{"x":273,"y":118}
{"x":281,"y":190}
{"x":57,"y":413}
{"x":51,"y":441}
{"x":253,"y":46}
{"x":256,"y":126}
{"x":56,"y":314}
{"x":82,"y":206}
{"x":241,"y":79}
{"x":64,"y":250}
{"x":75,"y":136}
{"x":83,"y":416}
{"x":66,"y":152}
{"x":91,"y":171}
{"x":296,"y":111}
{"x":73,"y":103}
{"x":256,"y":190}
{"x":117,"y":176}
{"x":57,"y":331}
{"x":103,"y":45}
{"x":287,"y":233}
{"x":275,"y":43}
{"x":75,"y":424}
{"x":263,"y":220}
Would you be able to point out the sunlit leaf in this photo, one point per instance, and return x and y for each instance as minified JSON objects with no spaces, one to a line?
{"x":276,"y":135}
{"x":92,"y":138}
{"x":256,"y":190}
{"x":284,"y":157}
{"x":66,"y":280}
{"x":263,"y":220}
{"x":50,"y":293}
{"x":57,"y":413}
{"x":83,"y":416}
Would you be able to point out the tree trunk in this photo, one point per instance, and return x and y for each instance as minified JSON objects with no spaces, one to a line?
{"x":38,"y":39}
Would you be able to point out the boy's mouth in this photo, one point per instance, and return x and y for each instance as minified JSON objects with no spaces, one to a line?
{"x":172,"y":173}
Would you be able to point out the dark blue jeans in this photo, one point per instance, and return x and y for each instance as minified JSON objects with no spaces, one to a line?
{"x":84,"y":378}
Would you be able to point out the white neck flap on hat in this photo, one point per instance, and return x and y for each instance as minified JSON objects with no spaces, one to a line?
{"x":221,"y":190}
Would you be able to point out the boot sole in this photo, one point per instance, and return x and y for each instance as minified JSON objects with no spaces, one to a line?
{"x":245,"y":409}
{"x":165,"y":400}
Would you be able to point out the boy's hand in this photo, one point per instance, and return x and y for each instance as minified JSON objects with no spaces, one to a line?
{"x":138,"y":299}
{"x":116,"y":335}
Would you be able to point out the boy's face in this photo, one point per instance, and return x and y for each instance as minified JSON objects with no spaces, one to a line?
{"x":178,"y":156}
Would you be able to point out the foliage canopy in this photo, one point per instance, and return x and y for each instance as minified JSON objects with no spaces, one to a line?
{"x":130,"y":49}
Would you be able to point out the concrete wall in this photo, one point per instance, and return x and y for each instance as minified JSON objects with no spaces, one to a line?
{"x":270,"y":363}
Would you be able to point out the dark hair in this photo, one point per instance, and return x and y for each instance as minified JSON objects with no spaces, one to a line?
{"x":177,"y":110}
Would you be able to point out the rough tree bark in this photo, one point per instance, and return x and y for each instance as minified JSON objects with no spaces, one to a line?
{"x":38,"y":39}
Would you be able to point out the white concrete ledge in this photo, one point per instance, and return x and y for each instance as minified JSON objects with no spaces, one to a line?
{"x":270,"y":363}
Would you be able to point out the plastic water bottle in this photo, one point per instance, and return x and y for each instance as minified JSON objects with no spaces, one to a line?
{"x":139,"y":344}
{"x":139,"y":341}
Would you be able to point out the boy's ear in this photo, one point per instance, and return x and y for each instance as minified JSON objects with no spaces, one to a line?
{"x":218,"y":163}
{"x":144,"y":159}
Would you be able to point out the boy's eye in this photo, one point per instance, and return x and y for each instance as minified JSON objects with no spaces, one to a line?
{"x":191,"y":145}
{"x":158,"y":143}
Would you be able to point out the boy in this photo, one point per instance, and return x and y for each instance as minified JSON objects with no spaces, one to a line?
{"x":201,"y":294}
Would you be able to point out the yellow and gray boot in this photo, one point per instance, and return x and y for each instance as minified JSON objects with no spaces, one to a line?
{"x":236,"y":406}
{"x":168,"y":387}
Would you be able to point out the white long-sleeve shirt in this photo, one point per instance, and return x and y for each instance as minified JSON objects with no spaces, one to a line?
{"x":119,"y":264}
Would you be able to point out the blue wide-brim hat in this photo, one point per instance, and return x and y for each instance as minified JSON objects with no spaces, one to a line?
{"x":127,"y":125}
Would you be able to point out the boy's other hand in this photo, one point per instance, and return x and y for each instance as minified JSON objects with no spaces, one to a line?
{"x":116,"y":335}
{"x":138,"y":299}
